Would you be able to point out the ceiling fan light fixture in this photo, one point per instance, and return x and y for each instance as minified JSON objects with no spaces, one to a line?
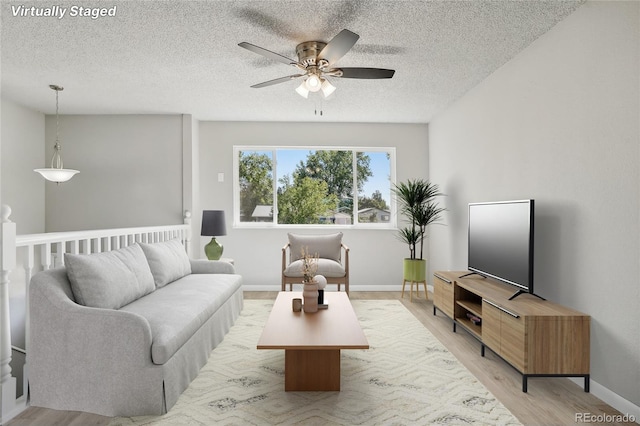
{"x":313,"y":83}
{"x":302,"y":90}
{"x":327,"y":88}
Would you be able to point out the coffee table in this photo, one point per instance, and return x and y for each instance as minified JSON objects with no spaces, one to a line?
{"x":312,"y":342}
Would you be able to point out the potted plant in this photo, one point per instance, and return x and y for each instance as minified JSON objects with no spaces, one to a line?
{"x":416,"y":201}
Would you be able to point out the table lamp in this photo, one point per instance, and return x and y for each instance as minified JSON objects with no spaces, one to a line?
{"x":213,"y":225}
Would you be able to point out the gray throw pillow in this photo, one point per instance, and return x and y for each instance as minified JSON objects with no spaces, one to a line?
{"x":326,"y":246}
{"x":168,"y":261}
{"x":111,"y":279}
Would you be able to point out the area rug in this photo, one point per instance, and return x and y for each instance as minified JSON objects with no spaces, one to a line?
{"x":407,"y":377}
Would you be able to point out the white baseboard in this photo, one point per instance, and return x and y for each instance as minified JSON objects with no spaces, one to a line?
{"x":17,"y":408}
{"x":611,"y":398}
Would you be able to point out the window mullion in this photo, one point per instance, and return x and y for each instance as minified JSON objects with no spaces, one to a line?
{"x":274,"y":207}
{"x":355,"y":192}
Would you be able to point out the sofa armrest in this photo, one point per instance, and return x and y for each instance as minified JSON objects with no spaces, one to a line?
{"x":202,"y":266}
{"x":74,"y":347}
{"x":92,"y":334}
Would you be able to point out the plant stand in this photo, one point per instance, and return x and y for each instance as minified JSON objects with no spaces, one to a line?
{"x":415,"y":271}
{"x":426,"y":295}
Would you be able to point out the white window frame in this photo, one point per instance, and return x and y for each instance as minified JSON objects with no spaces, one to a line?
{"x":392,"y":224}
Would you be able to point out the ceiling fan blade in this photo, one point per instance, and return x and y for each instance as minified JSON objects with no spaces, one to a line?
{"x":277,"y":81}
{"x":267,"y":53}
{"x":338,"y":46}
{"x":367,"y":73}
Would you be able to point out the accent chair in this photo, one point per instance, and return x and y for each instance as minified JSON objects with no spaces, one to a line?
{"x":333,"y":259}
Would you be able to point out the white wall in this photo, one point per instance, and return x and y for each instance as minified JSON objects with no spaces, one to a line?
{"x":560,"y":123}
{"x":22,"y":188}
{"x":130,"y":172}
{"x":375,"y":256}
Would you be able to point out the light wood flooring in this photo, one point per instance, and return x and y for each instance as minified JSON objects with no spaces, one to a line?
{"x":549,"y":401}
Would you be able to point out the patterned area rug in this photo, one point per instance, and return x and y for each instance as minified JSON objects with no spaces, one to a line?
{"x":406,"y":378}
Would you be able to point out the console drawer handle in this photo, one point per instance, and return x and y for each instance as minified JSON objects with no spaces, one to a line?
{"x":442,"y":278}
{"x":501,"y":308}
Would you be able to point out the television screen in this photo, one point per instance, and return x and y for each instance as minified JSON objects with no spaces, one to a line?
{"x":501,"y":241}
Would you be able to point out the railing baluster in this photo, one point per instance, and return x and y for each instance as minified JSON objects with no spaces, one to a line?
{"x":45,"y":256}
{"x":95,"y":245}
{"x":28,"y":273}
{"x":59,"y":256}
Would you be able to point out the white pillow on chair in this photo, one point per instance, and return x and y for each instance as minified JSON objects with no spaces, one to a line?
{"x":326,"y":246}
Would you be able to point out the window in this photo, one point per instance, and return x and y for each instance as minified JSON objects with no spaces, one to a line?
{"x":318,"y":186}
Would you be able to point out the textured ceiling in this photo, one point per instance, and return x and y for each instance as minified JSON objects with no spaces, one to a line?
{"x":165,"y":57}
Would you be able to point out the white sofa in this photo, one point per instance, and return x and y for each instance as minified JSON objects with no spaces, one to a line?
{"x":123,"y":333}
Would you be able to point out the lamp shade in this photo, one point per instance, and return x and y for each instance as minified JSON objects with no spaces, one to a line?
{"x":57,"y":175}
{"x":213,"y":224}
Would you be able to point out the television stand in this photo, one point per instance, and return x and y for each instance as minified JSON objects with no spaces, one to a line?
{"x":519,"y":292}
{"x":535,"y":336}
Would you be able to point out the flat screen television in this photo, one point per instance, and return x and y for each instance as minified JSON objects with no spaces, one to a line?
{"x":501,"y":242}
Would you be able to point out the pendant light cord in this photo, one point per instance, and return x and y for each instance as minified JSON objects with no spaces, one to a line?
{"x":56,"y":160}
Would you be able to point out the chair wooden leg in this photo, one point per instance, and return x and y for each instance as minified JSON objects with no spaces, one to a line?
{"x":403,"y":284}
{"x":426,"y":294}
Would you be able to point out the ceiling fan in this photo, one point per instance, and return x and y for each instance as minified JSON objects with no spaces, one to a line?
{"x":316,"y":62}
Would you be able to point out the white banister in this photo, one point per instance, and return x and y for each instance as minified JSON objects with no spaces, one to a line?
{"x":46,"y":251}
{"x":8,"y":404}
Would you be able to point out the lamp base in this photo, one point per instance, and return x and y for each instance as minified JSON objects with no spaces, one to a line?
{"x":213,"y":250}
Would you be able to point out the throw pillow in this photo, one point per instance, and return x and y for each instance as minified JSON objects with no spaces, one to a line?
{"x":111,"y":279}
{"x":326,"y":246}
{"x":168,"y":261}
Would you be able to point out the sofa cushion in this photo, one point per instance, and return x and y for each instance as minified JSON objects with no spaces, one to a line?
{"x":111,"y":279}
{"x":176,"y":311}
{"x":326,"y":246}
{"x":168,"y":261}
{"x":328,"y":268}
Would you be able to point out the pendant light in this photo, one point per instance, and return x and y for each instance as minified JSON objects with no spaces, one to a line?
{"x":56,"y":173}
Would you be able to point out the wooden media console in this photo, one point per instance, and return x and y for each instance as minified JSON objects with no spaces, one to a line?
{"x":535,"y":336}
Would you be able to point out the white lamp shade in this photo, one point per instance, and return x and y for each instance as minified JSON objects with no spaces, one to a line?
{"x":327,"y":88}
{"x":57,"y":175}
{"x":302,"y":90}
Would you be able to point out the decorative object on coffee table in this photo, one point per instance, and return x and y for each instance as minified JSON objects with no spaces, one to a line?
{"x":310,"y":292}
{"x":322,"y":283}
{"x":213,"y":225}
{"x":296,"y":305}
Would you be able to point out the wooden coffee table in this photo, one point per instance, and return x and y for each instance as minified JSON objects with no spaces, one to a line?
{"x":312,"y":342}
